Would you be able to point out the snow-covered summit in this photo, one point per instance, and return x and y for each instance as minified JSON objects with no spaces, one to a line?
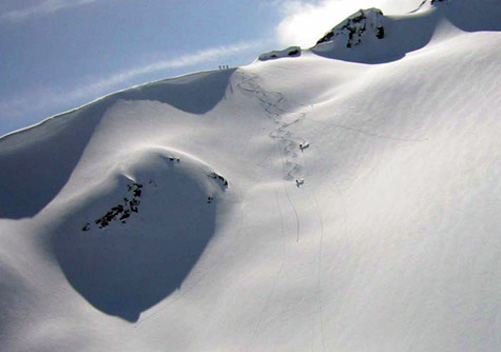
{"x":356,"y":27}
{"x":369,"y":36}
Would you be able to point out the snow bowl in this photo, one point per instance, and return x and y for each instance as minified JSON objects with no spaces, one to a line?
{"x":132,"y":240}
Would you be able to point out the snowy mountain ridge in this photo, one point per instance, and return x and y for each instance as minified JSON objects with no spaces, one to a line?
{"x":337,"y":198}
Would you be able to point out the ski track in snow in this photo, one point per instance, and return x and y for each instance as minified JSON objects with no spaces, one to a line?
{"x":276,"y":107}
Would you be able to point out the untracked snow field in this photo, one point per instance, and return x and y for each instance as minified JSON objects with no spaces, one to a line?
{"x":334,"y":200}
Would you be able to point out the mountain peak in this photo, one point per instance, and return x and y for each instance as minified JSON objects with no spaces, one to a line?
{"x":357,"y":26}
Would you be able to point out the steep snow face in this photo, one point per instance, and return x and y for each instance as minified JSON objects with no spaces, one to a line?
{"x":309,"y":204}
{"x":351,"y":31}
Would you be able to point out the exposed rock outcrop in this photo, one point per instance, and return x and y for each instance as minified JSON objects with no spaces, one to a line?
{"x":293,"y":51}
{"x":356,"y":27}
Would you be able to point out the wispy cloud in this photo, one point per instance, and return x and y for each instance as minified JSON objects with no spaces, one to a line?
{"x":304,"y":22}
{"x":207,"y":55}
{"x":36,"y":103}
{"x":46,"y":7}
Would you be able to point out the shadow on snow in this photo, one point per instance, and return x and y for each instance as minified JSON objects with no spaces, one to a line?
{"x":125,"y":269}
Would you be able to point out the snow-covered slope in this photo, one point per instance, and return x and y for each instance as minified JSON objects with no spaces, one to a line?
{"x":303,"y":203}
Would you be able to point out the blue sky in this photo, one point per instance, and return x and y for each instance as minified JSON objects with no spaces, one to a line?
{"x":59,"y":54}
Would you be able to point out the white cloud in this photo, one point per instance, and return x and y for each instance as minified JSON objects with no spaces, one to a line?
{"x":207,"y":55}
{"x":305,"y":22}
{"x":46,"y":7}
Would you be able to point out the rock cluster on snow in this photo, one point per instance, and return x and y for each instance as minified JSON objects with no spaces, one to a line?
{"x":120,"y":212}
{"x":293,"y":51}
{"x":355,"y":27}
{"x":223,"y":183}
